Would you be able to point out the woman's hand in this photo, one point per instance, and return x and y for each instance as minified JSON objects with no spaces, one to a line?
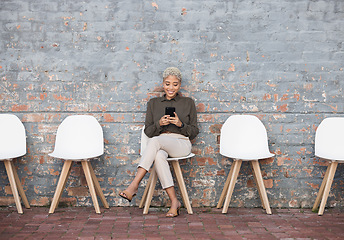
{"x":164,"y":120}
{"x":175,"y":120}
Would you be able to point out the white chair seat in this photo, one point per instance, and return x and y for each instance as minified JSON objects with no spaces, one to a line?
{"x":251,"y":158}
{"x":181,"y":158}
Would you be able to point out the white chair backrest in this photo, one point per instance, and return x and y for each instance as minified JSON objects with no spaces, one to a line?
{"x":79,"y":137}
{"x":329,"y":139}
{"x":12,"y":137}
{"x":144,"y":140}
{"x":244,"y":137}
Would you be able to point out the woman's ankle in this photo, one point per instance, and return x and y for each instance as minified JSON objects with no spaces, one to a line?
{"x":175,"y":203}
{"x":132,"y":188}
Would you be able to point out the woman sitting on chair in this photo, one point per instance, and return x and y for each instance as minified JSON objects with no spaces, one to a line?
{"x":170,"y":134}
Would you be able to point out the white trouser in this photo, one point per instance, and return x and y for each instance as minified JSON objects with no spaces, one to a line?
{"x":157,"y":151}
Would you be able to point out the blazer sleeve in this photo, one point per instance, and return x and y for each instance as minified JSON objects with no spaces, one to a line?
{"x":152,"y":128}
{"x":191,"y":129}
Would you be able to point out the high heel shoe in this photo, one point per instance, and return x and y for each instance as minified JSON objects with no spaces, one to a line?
{"x":173,"y":212}
{"x":126,"y":195}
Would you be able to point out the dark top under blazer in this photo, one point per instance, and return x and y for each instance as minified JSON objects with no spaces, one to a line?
{"x":185,"y":109}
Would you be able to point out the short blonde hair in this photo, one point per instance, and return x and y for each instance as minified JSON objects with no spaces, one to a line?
{"x":172,"y":71}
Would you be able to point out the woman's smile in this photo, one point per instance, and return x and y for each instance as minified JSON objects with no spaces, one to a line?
{"x":171,"y":86}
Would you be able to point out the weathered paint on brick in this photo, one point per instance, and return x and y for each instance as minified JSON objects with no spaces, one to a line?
{"x":281,"y":61}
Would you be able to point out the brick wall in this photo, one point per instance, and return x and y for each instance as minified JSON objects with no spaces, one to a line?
{"x":279,"y":60}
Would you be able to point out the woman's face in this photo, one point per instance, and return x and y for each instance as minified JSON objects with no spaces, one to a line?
{"x":171,"y":86}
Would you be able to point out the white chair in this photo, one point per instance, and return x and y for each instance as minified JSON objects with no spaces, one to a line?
{"x":79,"y":138}
{"x":13,"y":145}
{"x":244,"y":138}
{"x":329,"y":145}
{"x":149,"y":190}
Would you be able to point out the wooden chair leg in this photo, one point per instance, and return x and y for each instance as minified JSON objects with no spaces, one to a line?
{"x":256,"y":168}
{"x":144,"y":196}
{"x":20,"y":187}
{"x":321,"y":190}
{"x":236,"y":166}
{"x":150,"y":191}
{"x":97,"y":186}
{"x":332,"y":171}
{"x":13,"y":185}
{"x":65,"y":182}
{"x":90,"y":184}
{"x":60,"y":185}
{"x":182,"y":187}
{"x":256,"y":181}
{"x":225,"y":188}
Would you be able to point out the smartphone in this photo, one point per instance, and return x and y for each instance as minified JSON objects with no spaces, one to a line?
{"x":170,"y":111}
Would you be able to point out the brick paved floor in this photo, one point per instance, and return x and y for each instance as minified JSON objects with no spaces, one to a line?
{"x":205,"y":223}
